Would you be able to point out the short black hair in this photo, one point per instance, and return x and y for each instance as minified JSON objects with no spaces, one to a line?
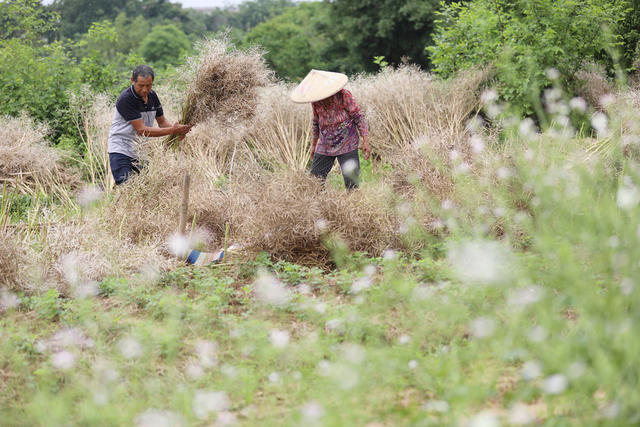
{"x":143,"y":71}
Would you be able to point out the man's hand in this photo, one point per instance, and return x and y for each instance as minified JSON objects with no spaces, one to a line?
{"x":178,"y":129}
{"x":366,"y":149}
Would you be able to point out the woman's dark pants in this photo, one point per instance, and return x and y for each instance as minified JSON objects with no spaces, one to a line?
{"x":349,"y":163}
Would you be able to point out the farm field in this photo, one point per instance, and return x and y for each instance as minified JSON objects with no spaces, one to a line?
{"x":485,"y":273}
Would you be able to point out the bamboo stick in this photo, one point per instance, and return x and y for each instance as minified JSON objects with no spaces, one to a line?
{"x":185,"y":205}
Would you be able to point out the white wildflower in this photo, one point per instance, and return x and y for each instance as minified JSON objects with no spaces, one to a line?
{"x":71,"y":265}
{"x":278,"y":338}
{"x":349,"y":167}
{"x":335,"y":325}
{"x":607,"y":99}
{"x":207,"y":402}
{"x":503,"y":173}
{"x":489,"y":96}
{"x":89,"y":195}
{"x":578,"y":104}
{"x":576,"y":370}
{"x":389,"y":254}
{"x":482,"y":327}
{"x":404,"y":339}
{"x":63,"y":360}
{"x":353,"y":353}
{"x":527,"y":128}
{"x":555,"y":384}
{"x":552,"y":73}
{"x":360,"y":284}
{"x":130,"y":348}
{"x":477,"y":144}
{"x":178,"y":245}
{"x":628,"y":196}
{"x":486,"y":418}
{"x":322,"y":225}
{"x":531,"y":370}
{"x":312,"y":412}
{"x":226,"y":418}
{"x":274,"y":377}
{"x":158,"y":418}
{"x":524,"y":297}
{"x":194,"y":371}
{"x":207,"y":353}
{"x":627,"y":286}
{"x":599,"y":122}
{"x":481,"y":262}
{"x":537,"y":334}
{"x":520,"y":414}
{"x":270,"y":290}
{"x":8,"y":300}
{"x":610,"y":410}
{"x":440,"y":406}
{"x":320,"y":307}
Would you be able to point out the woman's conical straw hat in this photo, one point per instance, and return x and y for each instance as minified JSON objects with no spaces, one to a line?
{"x":318,"y":85}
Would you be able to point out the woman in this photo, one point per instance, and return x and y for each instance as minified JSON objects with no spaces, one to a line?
{"x":338,"y":124}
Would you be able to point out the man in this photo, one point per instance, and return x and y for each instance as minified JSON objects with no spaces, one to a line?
{"x":136,"y":109}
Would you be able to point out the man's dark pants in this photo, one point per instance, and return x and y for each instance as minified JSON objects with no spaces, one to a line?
{"x":349,"y":163}
{"x":123,"y":166}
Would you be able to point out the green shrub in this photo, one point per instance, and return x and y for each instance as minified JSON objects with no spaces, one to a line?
{"x":165,"y":45}
{"x":524,"y":39}
{"x":36,"y":80}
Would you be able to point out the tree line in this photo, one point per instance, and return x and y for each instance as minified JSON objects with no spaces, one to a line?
{"x":47,"y":52}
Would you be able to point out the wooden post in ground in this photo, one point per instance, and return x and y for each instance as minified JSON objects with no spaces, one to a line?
{"x":185,"y":205}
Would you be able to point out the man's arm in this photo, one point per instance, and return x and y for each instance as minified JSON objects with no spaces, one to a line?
{"x":176,"y":129}
{"x":163,"y":122}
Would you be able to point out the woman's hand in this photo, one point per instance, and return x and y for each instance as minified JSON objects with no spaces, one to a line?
{"x":366,"y":148}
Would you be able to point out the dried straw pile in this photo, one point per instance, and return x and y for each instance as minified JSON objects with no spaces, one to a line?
{"x":12,"y":260}
{"x":146,"y":208}
{"x":222,"y":81}
{"x":220,"y":88}
{"x":594,"y":85}
{"x":72,"y":256}
{"x":26,"y":161}
{"x":289,"y":214}
{"x":286,"y":213}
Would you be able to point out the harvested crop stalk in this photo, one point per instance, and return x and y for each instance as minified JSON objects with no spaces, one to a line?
{"x":222,"y":82}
